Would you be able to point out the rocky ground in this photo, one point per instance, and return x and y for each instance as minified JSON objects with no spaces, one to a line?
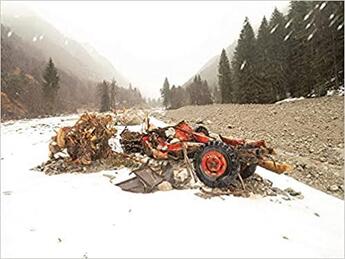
{"x":309,"y":134}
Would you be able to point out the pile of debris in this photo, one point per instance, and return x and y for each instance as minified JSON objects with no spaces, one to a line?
{"x":172,"y":157}
{"x":84,"y":147}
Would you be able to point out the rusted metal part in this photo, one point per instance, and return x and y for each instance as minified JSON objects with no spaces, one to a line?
{"x":148,"y":177}
{"x":132,"y":185}
{"x":146,"y":180}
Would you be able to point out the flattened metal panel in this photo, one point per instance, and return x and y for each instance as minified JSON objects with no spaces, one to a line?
{"x":132,"y":185}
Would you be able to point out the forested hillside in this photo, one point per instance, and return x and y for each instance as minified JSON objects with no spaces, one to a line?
{"x":80,"y":59}
{"x":23,"y":63}
{"x":300,"y":54}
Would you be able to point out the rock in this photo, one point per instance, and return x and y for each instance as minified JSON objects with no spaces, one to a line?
{"x":199,"y":121}
{"x":301,"y":197}
{"x":292,"y":192}
{"x":164,"y":186}
{"x":333,"y":188}
{"x":267,"y":182}
{"x":181,"y":176}
{"x":322,"y":159}
{"x":286,"y":198}
{"x":270,"y":192}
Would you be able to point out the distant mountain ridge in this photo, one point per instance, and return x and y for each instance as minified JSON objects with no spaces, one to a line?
{"x":209,"y":71}
{"x":22,"y":65}
{"x":81,"y":60}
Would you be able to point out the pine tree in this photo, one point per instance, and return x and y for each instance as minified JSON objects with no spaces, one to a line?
{"x":103,"y":92}
{"x":193,"y":91}
{"x":50,"y":85}
{"x":205,"y":95}
{"x":301,"y":80}
{"x":326,"y":62}
{"x":224,"y":79}
{"x":216,"y":94}
{"x":244,"y":65}
{"x":264,"y":91}
{"x":278,"y":55}
{"x":173,"y":97}
{"x":112,"y":93}
{"x":165,"y":93}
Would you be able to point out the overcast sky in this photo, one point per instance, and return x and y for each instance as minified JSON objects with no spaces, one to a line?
{"x":148,"y":41}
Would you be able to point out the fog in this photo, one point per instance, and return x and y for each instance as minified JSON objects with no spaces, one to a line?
{"x":148,"y":41}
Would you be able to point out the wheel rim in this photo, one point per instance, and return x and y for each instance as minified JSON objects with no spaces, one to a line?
{"x":213,"y":163}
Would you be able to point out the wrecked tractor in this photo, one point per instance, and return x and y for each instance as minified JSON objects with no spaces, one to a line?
{"x":217,"y":160}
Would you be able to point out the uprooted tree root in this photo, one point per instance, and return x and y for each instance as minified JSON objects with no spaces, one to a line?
{"x":84,"y":147}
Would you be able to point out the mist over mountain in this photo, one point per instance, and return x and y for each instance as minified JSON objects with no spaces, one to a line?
{"x":209,"y":71}
{"x":79,"y":59}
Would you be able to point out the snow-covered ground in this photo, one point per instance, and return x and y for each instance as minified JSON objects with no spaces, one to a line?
{"x":84,"y":215}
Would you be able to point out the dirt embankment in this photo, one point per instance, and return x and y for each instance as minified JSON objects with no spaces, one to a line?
{"x":308,"y":134}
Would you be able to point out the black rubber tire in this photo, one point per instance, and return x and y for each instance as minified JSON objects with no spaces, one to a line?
{"x":202,"y":129}
{"x":247,"y":171}
{"x":231,"y":171}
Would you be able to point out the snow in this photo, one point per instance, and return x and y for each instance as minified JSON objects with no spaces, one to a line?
{"x":274,"y":29}
{"x":311,"y":35}
{"x":340,"y":26}
{"x":34,"y":39}
{"x":41,"y":37}
{"x":339,"y":92}
{"x":9,"y":34}
{"x":332,"y":22}
{"x":84,"y":215}
{"x":243,"y":65}
{"x":307,"y":15}
{"x":287,"y":36}
{"x":331,"y":16}
{"x":307,"y":26}
{"x":290,"y":99}
{"x":66,"y":42}
{"x":323,"y":5}
{"x":288,"y":23}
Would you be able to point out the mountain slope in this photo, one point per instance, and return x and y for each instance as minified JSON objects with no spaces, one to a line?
{"x":209,"y":71}
{"x":22,"y":64}
{"x":68,"y":54}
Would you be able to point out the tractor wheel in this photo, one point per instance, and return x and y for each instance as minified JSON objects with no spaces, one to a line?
{"x":247,"y":171}
{"x":203,"y":130}
{"x":216,"y":164}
